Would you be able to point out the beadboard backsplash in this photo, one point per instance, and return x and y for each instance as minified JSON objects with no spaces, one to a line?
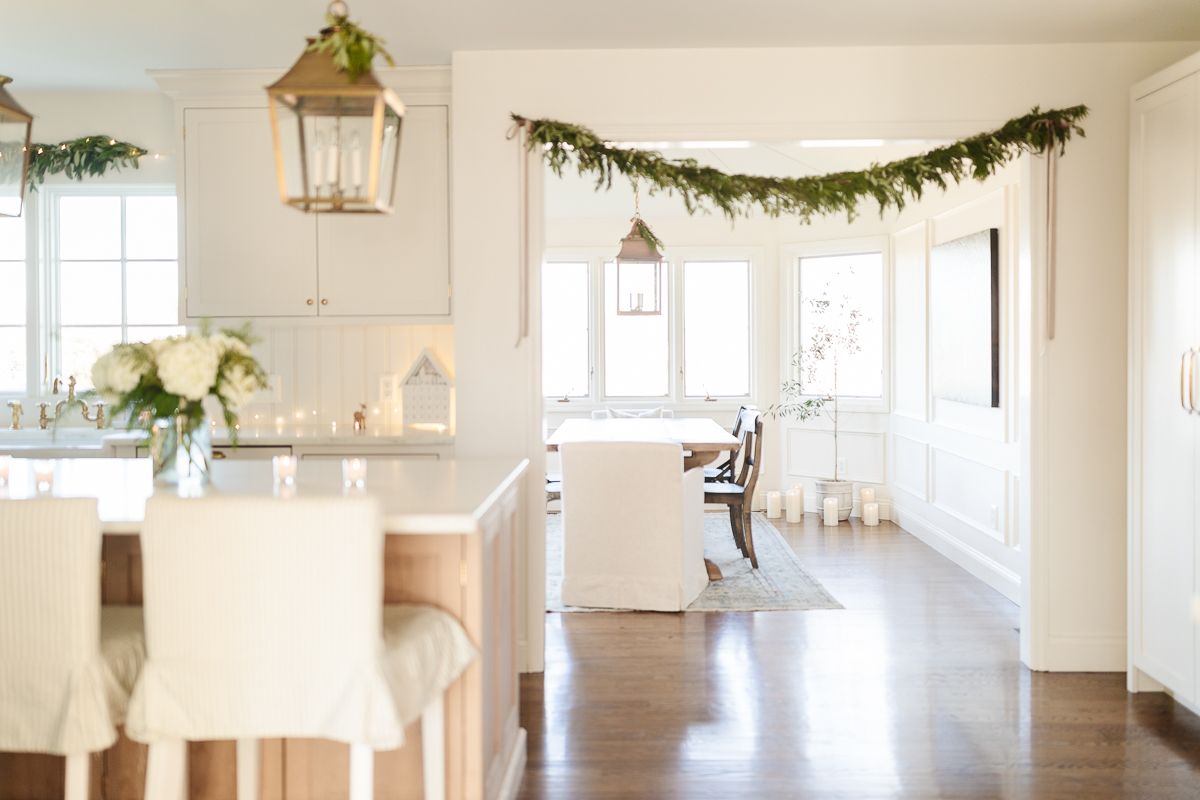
{"x":321,"y":374}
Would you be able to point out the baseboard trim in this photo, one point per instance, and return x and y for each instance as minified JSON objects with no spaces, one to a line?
{"x":515,"y":769}
{"x":994,"y":574}
{"x":1083,"y":653}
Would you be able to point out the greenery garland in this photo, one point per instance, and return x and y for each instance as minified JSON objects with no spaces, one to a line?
{"x":891,"y":185}
{"x":80,"y":158}
{"x":353,"y":49}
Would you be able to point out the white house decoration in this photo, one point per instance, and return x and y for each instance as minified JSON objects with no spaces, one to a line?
{"x":426,"y":392}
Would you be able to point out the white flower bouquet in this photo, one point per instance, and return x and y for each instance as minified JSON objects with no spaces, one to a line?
{"x":161,"y":386}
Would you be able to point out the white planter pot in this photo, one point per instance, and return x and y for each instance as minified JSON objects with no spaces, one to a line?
{"x":842,"y":490}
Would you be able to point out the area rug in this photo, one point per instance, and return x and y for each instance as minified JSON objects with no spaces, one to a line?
{"x":779,"y":583}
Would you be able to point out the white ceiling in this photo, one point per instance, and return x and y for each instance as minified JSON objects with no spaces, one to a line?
{"x":90,"y":44}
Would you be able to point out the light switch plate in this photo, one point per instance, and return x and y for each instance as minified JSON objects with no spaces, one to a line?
{"x":841,"y":468}
{"x":389,"y":384}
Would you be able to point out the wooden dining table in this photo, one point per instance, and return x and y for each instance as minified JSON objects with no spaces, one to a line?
{"x":702,"y":440}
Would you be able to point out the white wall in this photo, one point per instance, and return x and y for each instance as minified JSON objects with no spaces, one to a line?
{"x":1077,"y":559}
{"x":328,"y":369}
{"x":955,"y":468}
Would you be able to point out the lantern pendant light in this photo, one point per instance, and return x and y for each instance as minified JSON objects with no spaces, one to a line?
{"x":639,"y":269}
{"x":336,"y":135}
{"x":16,"y":127}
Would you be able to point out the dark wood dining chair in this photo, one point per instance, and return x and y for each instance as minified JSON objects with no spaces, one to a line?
{"x":737,"y":495}
{"x":727,"y":471}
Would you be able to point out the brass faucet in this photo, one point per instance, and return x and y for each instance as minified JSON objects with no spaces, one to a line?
{"x":43,"y":417}
{"x":72,"y":400}
{"x":15,"y":407}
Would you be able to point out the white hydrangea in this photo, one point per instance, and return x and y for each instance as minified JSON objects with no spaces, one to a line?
{"x":187,"y":365}
{"x":118,"y":372}
{"x":229,"y":344}
{"x":239,"y":386}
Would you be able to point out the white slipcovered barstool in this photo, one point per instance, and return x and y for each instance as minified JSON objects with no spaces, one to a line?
{"x":633,"y":526}
{"x":67,"y":665}
{"x":265,"y":619}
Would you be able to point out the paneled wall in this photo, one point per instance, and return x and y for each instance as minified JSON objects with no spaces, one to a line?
{"x":321,"y":373}
{"x":955,"y":467}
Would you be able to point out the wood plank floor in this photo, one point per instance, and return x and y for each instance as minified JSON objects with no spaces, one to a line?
{"x":914,"y":690}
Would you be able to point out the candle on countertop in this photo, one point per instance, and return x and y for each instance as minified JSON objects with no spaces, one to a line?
{"x":354,"y":473}
{"x":794,"y":505}
{"x":760,"y":500}
{"x":867,"y":494}
{"x":774,"y":505}
{"x":830,"y":507}
{"x":5,"y":466}
{"x":284,"y":469}
{"x":870,"y":513}
{"x":43,"y":474}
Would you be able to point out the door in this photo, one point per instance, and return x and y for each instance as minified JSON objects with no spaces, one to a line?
{"x":398,"y":264}
{"x":1164,"y":205}
{"x":247,"y":254}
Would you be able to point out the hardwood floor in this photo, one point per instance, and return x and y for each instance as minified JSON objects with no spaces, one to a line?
{"x":915,"y":689}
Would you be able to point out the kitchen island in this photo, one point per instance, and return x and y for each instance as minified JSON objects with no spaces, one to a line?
{"x":451,"y":543}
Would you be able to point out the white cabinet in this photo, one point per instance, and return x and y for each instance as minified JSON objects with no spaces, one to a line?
{"x":249,"y":255}
{"x":1165,"y":385}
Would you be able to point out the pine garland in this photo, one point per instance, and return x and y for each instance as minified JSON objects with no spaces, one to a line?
{"x":891,"y":185}
{"x":353,"y":49}
{"x":79,"y":158}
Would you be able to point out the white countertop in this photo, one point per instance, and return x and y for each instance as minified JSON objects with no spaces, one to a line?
{"x":426,"y":497}
{"x":66,"y":439}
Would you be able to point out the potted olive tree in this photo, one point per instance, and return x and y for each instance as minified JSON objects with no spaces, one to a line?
{"x":834,"y":335}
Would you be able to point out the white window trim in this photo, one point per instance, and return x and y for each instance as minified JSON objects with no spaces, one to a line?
{"x":790,"y":256}
{"x":596,"y":257}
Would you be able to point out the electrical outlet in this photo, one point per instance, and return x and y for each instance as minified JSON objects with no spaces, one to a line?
{"x":841,"y":468}
{"x":995,"y":517}
{"x":389,"y":384}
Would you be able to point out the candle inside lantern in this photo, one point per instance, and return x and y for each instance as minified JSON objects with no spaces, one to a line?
{"x":43,"y":475}
{"x":354,"y":473}
{"x":867,"y":494}
{"x":830,"y":507}
{"x":355,"y":161}
{"x":774,"y":505}
{"x":795,"y":505}
{"x":284,"y":470}
{"x":870,"y":513}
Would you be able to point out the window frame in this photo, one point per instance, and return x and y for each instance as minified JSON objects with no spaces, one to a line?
{"x":790,"y":256}
{"x":596,"y":258}
{"x":42,"y":341}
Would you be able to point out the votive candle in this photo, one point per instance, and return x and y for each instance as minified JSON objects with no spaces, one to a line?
{"x":830,"y":508}
{"x":794,"y":505}
{"x":774,"y":505}
{"x":354,"y":473}
{"x":284,"y":469}
{"x":870,"y":513}
{"x":867,"y":494}
{"x":43,"y":475}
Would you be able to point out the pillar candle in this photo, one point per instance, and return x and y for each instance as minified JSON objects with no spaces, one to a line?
{"x":830,"y":507}
{"x":867,"y":494}
{"x":794,"y":504}
{"x":774,"y":505}
{"x":870,"y":513}
{"x":43,"y":473}
{"x":760,"y":500}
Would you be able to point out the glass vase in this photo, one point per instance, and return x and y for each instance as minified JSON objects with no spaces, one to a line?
{"x":181,"y":449}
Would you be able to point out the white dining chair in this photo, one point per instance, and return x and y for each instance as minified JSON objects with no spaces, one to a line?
{"x":265,"y":619}
{"x":633,"y":413}
{"x":67,"y":665}
{"x":633,"y":526}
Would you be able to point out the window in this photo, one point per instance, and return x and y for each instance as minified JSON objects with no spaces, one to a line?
{"x":566,"y":345}
{"x":698,"y":349}
{"x":114,"y":265}
{"x":637,"y":350}
{"x":838,"y":293}
{"x":716,"y":328}
{"x":13,"y":300}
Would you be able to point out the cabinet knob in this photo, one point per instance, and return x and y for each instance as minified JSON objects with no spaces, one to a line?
{"x":309,"y":301}
{"x":324,"y":301}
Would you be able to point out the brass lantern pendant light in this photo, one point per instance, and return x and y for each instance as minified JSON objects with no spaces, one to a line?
{"x":16,"y":127}
{"x":336,"y":130}
{"x":639,"y":270}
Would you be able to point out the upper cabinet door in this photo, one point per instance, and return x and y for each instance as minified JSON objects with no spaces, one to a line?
{"x":398,"y":264}
{"x":248,"y":254}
